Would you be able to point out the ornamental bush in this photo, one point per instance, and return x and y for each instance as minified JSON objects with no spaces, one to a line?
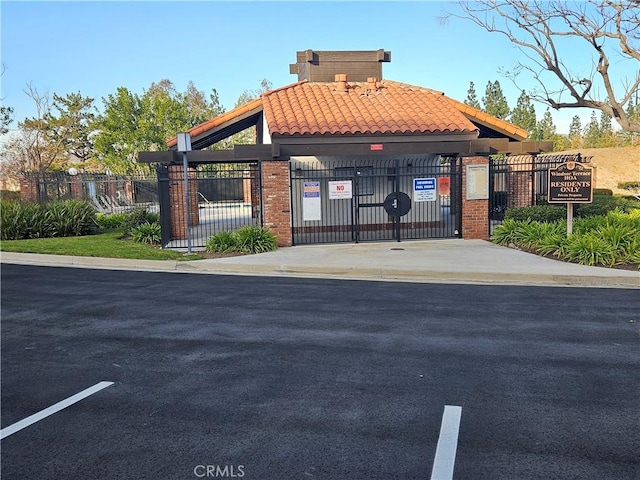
{"x":150,"y":233}
{"x":248,"y":239}
{"x":67,"y":218}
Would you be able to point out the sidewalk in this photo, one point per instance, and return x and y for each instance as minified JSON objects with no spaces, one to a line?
{"x":449,"y":261}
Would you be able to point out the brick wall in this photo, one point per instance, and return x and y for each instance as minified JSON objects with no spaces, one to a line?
{"x":475,"y":213}
{"x":276,"y":204}
{"x":178,"y":203}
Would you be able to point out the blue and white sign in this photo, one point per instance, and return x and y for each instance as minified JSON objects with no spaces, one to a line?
{"x":425,"y":190}
{"x":311,"y":203}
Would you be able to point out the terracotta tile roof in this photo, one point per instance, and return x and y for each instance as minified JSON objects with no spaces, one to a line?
{"x":314,"y":108}
{"x":307,"y":108}
{"x":483,"y":118}
{"x":219,"y":120}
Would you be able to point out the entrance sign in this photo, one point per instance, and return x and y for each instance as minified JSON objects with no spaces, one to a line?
{"x":570,"y":182}
{"x":340,"y":189}
{"x":477,"y":182}
{"x":424,"y":190}
{"x":311,"y":210}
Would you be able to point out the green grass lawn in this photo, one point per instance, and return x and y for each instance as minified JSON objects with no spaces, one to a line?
{"x":109,"y":244}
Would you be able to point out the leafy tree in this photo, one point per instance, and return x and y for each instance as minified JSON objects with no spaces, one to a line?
{"x":495,"y":102}
{"x":121,"y":134}
{"x":71,"y":121}
{"x":547,"y":33}
{"x":607,"y":136}
{"x":524,"y":114}
{"x":546,"y":129}
{"x":247,"y":136}
{"x":472,"y":98}
{"x":592,"y":132}
{"x":575,"y":132}
{"x":132,"y":123}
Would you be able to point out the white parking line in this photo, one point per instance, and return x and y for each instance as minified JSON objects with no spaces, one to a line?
{"x":36,"y":417}
{"x":445,"y":458}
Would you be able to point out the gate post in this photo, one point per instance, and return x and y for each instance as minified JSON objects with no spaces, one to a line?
{"x":475,"y":212}
{"x":276,"y":201}
{"x":178,"y":203}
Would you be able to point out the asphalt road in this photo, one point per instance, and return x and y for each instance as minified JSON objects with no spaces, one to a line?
{"x":288,"y":378}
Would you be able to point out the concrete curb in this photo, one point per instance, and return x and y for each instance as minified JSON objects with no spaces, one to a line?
{"x":623,"y":279}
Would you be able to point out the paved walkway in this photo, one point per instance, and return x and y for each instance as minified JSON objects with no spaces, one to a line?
{"x":456,"y":261}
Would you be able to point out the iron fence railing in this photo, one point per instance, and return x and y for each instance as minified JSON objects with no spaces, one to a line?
{"x":107,"y":193}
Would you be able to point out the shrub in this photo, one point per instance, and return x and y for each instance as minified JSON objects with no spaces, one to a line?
{"x":10,"y":196}
{"x":629,"y":185}
{"x":553,"y":244}
{"x":252,"y":239}
{"x":18,"y":221}
{"x":57,"y":219}
{"x":537,"y":213}
{"x":589,"y":249}
{"x":222,"y":242}
{"x":248,"y":239}
{"x":601,"y":240}
{"x":602,"y":191}
{"x":506,"y":232}
{"x":603,"y":204}
{"x":109,"y":221}
{"x":136,"y":218}
{"x":70,"y":218}
{"x":150,"y":233}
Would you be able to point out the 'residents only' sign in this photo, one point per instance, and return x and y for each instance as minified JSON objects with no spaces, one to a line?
{"x":570,"y":182}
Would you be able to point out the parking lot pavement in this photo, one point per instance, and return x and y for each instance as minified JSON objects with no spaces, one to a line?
{"x":309,"y":378}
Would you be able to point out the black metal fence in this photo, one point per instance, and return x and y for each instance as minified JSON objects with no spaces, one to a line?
{"x":521,"y":181}
{"x":357,"y":199}
{"x":107,"y":193}
{"x":222,"y":197}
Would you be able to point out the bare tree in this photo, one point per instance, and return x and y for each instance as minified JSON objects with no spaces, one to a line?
{"x":36,"y":149}
{"x":610,"y":28}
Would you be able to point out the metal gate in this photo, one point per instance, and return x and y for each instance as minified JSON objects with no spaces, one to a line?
{"x":519,"y":181}
{"x":222,"y":197}
{"x":358,"y":199}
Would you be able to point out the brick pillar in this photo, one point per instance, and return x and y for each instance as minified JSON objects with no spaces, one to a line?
{"x":75,"y":187}
{"x":276,"y":205}
{"x":255,"y":191}
{"x":520,"y":188}
{"x":178,"y":206}
{"x":475,"y":213}
{"x":29,"y":189}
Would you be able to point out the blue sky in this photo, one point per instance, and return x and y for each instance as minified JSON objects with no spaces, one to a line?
{"x":95,"y":47}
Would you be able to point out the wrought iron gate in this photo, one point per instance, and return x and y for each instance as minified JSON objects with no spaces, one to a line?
{"x":357,"y":199}
{"x":520,"y":181}
{"x":223,"y":197}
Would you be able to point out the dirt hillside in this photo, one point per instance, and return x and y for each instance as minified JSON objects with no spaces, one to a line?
{"x":614,"y":165}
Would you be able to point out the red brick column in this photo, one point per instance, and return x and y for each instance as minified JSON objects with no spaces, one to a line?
{"x":29,"y":190}
{"x":520,"y":188}
{"x":475,"y":213}
{"x":255,"y":191}
{"x":75,"y":187}
{"x":178,"y":203}
{"x":276,"y":206}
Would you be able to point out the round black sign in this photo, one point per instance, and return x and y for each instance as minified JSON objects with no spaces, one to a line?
{"x":397,"y":204}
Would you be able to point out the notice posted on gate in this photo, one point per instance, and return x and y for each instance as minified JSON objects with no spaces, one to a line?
{"x":311,"y":204}
{"x":570,"y":182}
{"x":424,"y":190}
{"x":340,"y":190}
